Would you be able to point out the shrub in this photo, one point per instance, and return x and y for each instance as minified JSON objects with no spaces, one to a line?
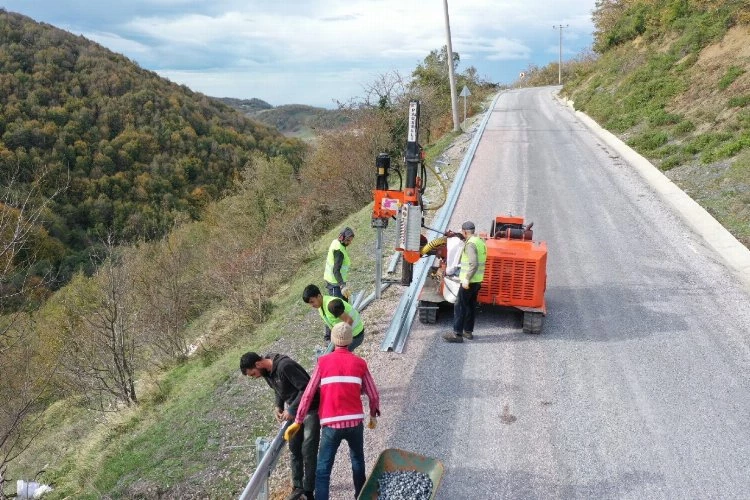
{"x":667,"y":150}
{"x":733,"y":72}
{"x":684,"y":127}
{"x":706,"y":141}
{"x":687,"y":63}
{"x":620,"y":123}
{"x":726,"y":149}
{"x":659,"y":117}
{"x":739,"y":101}
{"x":649,"y":140}
{"x":674,"y":161}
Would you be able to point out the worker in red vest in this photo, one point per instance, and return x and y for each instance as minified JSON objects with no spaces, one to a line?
{"x":342,"y":377}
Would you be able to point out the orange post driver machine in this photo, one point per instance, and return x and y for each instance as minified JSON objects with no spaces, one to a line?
{"x":405,"y":204}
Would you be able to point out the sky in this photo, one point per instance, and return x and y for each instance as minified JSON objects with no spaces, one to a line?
{"x":318,"y":52}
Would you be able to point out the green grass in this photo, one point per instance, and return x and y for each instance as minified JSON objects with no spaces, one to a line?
{"x":659,"y":117}
{"x":732,"y":73}
{"x":674,"y":161}
{"x":637,"y":89}
{"x":739,"y":101}
{"x":683,"y":127}
{"x":729,"y":199}
{"x":649,"y":140}
{"x":726,"y":149}
{"x":200,"y":416}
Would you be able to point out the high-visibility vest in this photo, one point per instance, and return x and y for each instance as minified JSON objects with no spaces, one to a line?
{"x":481,"y":259}
{"x":328,"y":274}
{"x":341,"y":380}
{"x":330,"y":320}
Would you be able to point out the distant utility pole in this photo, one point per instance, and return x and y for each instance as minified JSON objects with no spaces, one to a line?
{"x":451,"y":75}
{"x":559,"y":58}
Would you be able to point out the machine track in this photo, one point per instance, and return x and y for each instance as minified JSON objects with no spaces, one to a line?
{"x":428,"y":312}
{"x":533,"y":322}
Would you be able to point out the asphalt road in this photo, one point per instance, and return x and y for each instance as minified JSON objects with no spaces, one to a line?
{"x":639,"y":385}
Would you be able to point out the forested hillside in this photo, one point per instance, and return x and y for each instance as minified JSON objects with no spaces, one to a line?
{"x":127,"y":152}
{"x":672,"y":78}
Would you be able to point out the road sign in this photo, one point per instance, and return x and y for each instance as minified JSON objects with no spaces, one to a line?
{"x":465,"y":92}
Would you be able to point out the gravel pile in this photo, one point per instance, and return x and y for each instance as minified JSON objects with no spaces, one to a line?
{"x":404,"y":485}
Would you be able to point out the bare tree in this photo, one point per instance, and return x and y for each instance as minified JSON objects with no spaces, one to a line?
{"x":386,"y":91}
{"x":166,"y":289}
{"x":101,"y":342}
{"x":21,"y":386}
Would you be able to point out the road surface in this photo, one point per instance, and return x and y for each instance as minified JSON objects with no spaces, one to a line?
{"x":639,"y":385}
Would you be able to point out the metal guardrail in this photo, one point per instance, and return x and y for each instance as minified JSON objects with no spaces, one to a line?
{"x":395,"y":337}
{"x":268,"y":453}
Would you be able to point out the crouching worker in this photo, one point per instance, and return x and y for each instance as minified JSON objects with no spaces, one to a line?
{"x":289,"y":380}
{"x":333,"y":311}
{"x":341,"y":376}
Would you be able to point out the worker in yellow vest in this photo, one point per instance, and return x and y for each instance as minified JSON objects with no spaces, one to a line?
{"x":337,"y":265}
{"x":473,"y":258}
{"x":334,"y":310}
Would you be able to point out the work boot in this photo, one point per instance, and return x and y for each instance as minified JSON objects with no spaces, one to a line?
{"x":468,"y":336}
{"x":309,"y":495}
{"x":295,"y":494}
{"x":453,"y":337}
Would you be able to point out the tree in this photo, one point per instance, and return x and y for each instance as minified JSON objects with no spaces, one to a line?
{"x":100,"y":336}
{"x":167,"y":286}
{"x":433,"y":71}
{"x":25,"y":374}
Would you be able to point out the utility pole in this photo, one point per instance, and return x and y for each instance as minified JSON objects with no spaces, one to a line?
{"x":559,"y":58}
{"x":451,"y":75}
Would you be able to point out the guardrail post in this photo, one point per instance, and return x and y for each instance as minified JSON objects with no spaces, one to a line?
{"x":261,"y":448}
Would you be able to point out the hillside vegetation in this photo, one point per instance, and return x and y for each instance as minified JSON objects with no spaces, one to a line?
{"x":127,"y":152}
{"x":124,"y":382}
{"x":672,"y":78}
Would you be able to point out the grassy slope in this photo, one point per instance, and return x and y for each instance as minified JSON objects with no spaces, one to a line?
{"x":683,"y":101}
{"x":192,"y":434}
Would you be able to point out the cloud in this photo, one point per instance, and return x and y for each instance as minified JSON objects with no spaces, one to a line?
{"x":300,"y":44}
{"x":117,"y":43}
{"x":318,"y":88}
{"x":496,"y":49}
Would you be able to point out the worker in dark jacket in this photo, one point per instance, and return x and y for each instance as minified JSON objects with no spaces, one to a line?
{"x":473,"y":259}
{"x":337,"y":265}
{"x":289,"y":380}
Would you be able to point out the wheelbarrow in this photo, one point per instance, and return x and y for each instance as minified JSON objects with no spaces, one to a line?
{"x":392,"y":460}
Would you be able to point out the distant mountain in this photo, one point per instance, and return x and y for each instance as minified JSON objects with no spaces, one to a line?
{"x":296,"y":120}
{"x":134,"y":150}
{"x":245,"y":105}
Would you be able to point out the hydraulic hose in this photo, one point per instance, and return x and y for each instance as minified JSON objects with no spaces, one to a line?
{"x":437,"y":242}
{"x":442,"y":187}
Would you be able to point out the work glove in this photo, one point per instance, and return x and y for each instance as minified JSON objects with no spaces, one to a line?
{"x":291,"y":431}
{"x":465,"y":284}
{"x":346,"y":292}
{"x":372,"y":423}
